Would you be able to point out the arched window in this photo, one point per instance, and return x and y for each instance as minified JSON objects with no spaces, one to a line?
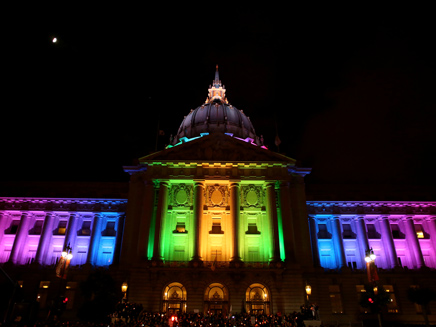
{"x":216,"y":299}
{"x":174,"y":298}
{"x":257,"y":299}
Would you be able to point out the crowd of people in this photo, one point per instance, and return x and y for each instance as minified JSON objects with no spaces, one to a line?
{"x":132,"y":315}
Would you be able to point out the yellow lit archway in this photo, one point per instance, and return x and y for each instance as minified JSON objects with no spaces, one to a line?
{"x":257,"y":299}
{"x":174,"y":298}
{"x":216,"y":299}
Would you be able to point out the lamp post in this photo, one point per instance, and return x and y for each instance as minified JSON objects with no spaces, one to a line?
{"x":124,"y":287}
{"x":371,"y":268}
{"x":308,"y":291}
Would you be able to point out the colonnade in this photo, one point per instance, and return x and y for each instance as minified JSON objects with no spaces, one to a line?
{"x":43,"y":256}
{"x":234,"y":187}
{"x":385,"y":234}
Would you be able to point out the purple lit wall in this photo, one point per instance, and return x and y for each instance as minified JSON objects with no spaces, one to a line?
{"x":402,"y":234}
{"x":37,"y":230}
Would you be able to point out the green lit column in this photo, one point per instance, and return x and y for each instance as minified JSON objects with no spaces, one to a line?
{"x":235,"y":209}
{"x":286,"y":230}
{"x":271,"y":208}
{"x":160,"y":215}
{"x":198,"y":215}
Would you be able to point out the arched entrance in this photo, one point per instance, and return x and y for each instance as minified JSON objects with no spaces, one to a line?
{"x":216,"y":299}
{"x":257,"y":299}
{"x":174,"y":298}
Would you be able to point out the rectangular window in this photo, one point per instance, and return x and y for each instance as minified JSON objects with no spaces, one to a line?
{"x":180,"y":227}
{"x":396,"y":232}
{"x":37,"y":228}
{"x":13,"y":227}
{"x":323,"y":232}
{"x":110,"y":229}
{"x":392,"y":305}
{"x":359,"y":290}
{"x":86,"y":228}
{"x":335,"y":299}
{"x":372,"y":232}
{"x":62,"y":227}
{"x":419,"y":231}
{"x":347,"y":231}
{"x":216,"y":226}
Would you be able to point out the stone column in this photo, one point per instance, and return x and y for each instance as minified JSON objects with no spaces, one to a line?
{"x":235,"y":210}
{"x":339,"y":244}
{"x":413,"y":242}
{"x":362,"y":238}
{"x":431,"y":223}
{"x":95,"y":239}
{"x":271,"y":208}
{"x":119,"y":238}
{"x":147,"y":204}
{"x":20,"y":238}
{"x":287,"y":223}
{"x":71,"y":230}
{"x":314,"y":242}
{"x":45,"y":238}
{"x":162,"y":209}
{"x":388,"y":242}
{"x":198,"y":217}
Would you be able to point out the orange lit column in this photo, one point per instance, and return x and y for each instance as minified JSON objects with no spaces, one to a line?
{"x":198,"y":215}
{"x":45,"y":238}
{"x":388,"y":241}
{"x":160,"y":215}
{"x":235,"y":209}
{"x":271,"y":208}
{"x":413,"y":242}
{"x":20,"y":237}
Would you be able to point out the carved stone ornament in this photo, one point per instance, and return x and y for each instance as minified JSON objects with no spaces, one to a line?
{"x":252,"y":196}
{"x":181,"y":195}
{"x":216,"y":195}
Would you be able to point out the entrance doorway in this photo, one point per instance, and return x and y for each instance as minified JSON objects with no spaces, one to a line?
{"x":257,"y":299}
{"x":216,"y":300}
{"x":174,"y":298}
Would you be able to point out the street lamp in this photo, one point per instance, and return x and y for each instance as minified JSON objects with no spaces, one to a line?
{"x":124,"y":287}
{"x":371,"y":268}
{"x":369,"y":255}
{"x":308,"y":291}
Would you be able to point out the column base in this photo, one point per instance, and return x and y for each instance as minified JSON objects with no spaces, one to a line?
{"x":236,"y":262}
{"x":196,"y":262}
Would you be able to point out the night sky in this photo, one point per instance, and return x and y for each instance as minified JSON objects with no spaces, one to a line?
{"x":349,"y":90}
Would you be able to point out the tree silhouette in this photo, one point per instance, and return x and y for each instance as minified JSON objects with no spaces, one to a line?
{"x":375,"y":298}
{"x":422,"y":296}
{"x":99,"y":291}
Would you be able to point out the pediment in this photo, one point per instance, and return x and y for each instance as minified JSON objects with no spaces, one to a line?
{"x":217,"y":148}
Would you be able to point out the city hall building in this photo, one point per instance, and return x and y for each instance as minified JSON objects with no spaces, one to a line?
{"x":217,"y":223}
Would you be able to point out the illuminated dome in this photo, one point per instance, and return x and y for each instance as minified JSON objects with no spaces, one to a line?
{"x":216,"y":115}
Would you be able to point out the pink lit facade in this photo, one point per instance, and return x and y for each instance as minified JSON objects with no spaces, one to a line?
{"x":36,"y":230}
{"x":402,"y":234}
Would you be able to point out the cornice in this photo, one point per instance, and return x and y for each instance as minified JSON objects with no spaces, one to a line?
{"x":372,"y":207}
{"x":62,"y":204}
